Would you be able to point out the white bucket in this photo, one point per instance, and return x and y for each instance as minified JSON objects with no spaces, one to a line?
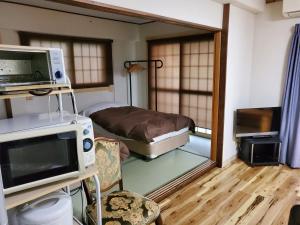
{"x":52,"y":209}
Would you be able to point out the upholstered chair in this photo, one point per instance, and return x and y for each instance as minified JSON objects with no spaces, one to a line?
{"x":119,"y":207}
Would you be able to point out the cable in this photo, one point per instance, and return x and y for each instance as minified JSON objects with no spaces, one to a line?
{"x":41,"y":92}
{"x":73,"y":99}
{"x":57,"y":101}
{"x":82,"y":219}
{"x":49,"y":104}
{"x":74,"y":103}
{"x":75,"y":191}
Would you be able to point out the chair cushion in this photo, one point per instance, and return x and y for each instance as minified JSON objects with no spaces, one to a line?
{"x":125,"y":208}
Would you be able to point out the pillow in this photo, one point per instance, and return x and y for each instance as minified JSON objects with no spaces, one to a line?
{"x":100,"y":106}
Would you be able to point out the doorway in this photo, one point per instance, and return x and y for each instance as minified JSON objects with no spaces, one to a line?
{"x":213,"y":121}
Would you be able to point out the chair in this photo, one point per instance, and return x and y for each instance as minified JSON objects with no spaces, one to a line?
{"x":119,"y":207}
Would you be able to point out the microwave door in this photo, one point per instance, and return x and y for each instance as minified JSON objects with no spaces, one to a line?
{"x":37,"y":158}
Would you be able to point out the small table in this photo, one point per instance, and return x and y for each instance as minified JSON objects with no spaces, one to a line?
{"x":19,"y":198}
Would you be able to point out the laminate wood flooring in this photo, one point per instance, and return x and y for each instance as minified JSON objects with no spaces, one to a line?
{"x":236,"y":194}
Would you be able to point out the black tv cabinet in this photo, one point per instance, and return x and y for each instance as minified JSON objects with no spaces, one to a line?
{"x":260,"y":151}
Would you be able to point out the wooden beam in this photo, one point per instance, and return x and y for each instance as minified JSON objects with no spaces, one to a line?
{"x":216,"y":91}
{"x":271,"y":1}
{"x":7,"y":102}
{"x":222,"y":84}
{"x":8,"y":107}
{"x":94,"y":5}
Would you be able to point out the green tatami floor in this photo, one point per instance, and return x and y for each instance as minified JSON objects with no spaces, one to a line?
{"x":143,"y":177}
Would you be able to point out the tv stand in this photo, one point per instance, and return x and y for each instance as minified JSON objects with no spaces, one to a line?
{"x":260,"y":150}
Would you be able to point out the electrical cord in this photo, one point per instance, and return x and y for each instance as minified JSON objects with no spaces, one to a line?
{"x":73,"y":99}
{"x":57,"y":101}
{"x":82,"y":219}
{"x":41,"y":92}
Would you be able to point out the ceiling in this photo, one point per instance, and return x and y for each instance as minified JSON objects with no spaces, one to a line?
{"x":81,"y":11}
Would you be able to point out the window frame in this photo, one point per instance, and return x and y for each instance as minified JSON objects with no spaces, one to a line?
{"x":181,"y":40}
{"x":25,"y":38}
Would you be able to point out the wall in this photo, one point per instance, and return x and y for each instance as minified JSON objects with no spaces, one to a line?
{"x":239,"y":63}
{"x":15,"y":18}
{"x":254,"y":6}
{"x":204,"y":12}
{"x":271,"y":46}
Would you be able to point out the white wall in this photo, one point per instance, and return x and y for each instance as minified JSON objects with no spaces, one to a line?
{"x":239,"y":64}
{"x":271,"y":46}
{"x":254,"y":6}
{"x":15,"y":18}
{"x":204,"y":12}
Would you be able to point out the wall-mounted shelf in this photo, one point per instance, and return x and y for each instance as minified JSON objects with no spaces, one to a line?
{"x":8,"y":93}
{"x":24,"y":91}
{"x":33,"y":87}
{"x":25,"y":95}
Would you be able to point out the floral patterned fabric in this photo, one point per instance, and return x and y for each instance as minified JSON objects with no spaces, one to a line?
{"x":107,"y":162}
{"x":125,"y":208}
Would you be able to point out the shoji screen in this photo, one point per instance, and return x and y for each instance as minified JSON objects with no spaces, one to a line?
{"x":167,"y":78}
{"x":197,"y":81}
{"x":185,"y":83}
{"x":88,"y":62}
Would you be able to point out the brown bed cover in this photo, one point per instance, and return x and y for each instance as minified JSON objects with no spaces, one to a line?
{"x":140,"y":124}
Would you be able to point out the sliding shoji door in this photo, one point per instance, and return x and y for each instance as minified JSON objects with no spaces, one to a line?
{"x":168,"y":78}
{"x":197,"y":81}
{"x":185,"y":83}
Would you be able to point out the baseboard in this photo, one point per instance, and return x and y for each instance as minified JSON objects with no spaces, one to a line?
{"x":229,"y":161}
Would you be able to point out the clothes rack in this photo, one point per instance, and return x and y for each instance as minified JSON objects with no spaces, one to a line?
{"x":157,"y":65}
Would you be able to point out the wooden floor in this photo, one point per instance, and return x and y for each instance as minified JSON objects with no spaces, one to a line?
{"x":236,"y":194}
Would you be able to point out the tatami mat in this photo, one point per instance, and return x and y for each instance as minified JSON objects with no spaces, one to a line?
{"x":198,"y":145}
{"x":146,"y":176}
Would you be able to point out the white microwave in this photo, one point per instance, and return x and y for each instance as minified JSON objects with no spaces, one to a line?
{"x":42,"y":148}
{"x":24,"y":65}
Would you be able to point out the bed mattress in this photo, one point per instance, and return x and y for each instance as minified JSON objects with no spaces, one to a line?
{"x":101,"y":131}
{"x":161,"y":145}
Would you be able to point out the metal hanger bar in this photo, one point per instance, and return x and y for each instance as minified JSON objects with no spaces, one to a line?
{"x":128,"y":63}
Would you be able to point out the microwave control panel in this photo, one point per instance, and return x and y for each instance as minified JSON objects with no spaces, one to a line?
{"x":88,"y":143}
{"x":57,"y":66}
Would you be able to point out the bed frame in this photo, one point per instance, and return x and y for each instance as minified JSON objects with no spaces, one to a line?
{"x":149,"y":150}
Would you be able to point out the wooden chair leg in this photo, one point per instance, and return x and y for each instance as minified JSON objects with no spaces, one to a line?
{"x":159,"y":221}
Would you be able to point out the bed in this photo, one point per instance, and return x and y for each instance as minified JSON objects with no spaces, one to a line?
{"x":145,"y":132}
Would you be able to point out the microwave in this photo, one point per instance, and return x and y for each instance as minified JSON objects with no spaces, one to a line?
{"x":42,"y":148}
{"x":24,"y":65}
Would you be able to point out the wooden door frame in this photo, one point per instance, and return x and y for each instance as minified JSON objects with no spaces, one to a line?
{"x":219,"y":90}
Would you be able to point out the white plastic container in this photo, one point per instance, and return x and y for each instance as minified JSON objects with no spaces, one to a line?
{"x":52,"y":209}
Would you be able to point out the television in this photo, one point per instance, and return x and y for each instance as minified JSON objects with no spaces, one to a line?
{"x":258,"y":122}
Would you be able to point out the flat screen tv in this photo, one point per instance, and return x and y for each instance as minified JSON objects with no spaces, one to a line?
{"x":258,"y":121}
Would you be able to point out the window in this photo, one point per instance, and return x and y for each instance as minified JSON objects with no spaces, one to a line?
{"x":88,"y":62}
{"x":185,"y":82}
